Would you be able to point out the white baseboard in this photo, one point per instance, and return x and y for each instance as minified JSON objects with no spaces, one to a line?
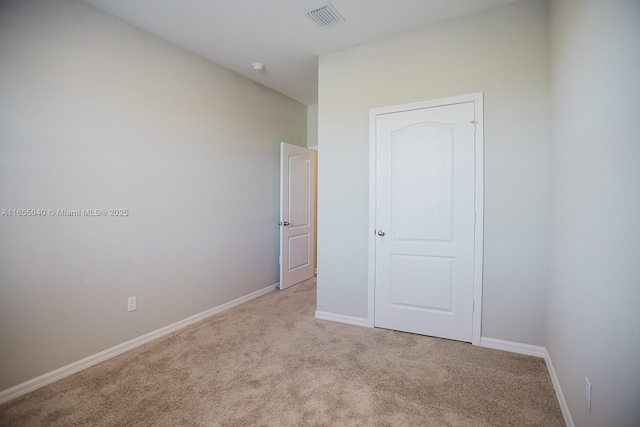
{"x":65,"y":371}
{"x":351,"y":320}
{"x":513,"y":347}
{"x":568,"y":420}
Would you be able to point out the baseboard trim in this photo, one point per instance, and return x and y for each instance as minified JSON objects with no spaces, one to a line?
{"x":568,"y":420}
{"x":65,"y":371}
{"x":351,"y":320}
{"x":513,"y":347}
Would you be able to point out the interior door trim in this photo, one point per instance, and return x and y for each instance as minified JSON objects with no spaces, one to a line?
{"x":478,"y":100}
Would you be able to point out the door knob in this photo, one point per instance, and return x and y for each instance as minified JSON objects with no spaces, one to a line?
{"x":380,"y":233}
{"x":285,"y":223}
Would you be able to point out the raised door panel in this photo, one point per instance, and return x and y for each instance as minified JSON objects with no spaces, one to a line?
{"x":300,"y":187}
{"x":421,"y":182}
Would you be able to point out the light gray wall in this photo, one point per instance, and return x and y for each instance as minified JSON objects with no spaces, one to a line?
{"x":95,"y":113}
{"x":503,"y":53}
{"x":593,"y":315}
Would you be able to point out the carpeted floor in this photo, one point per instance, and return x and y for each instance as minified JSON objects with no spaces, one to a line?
{"x":269,"y":362}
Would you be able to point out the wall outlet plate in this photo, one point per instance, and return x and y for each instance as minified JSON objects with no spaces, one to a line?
{"x":131,"y":304}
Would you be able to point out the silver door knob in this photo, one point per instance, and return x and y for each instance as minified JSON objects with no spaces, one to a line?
{"x":380,"y":233}
{"x":285,"y":223}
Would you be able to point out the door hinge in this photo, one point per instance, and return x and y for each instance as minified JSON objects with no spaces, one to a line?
{"x":474,"y":306}
{"x":475,"y":125}
{"x":475,"y":216}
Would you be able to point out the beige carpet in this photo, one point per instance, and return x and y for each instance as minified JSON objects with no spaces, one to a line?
{"x":270,"y":362}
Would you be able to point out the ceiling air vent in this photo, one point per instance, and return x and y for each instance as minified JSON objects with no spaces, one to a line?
{"x":325,"y":16}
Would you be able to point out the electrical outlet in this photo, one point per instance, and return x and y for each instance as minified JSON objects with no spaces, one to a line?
{"x":131,"y":304}
{"x":587,"y":393}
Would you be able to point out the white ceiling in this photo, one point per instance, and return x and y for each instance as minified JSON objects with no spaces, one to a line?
{"x":237,"y":33}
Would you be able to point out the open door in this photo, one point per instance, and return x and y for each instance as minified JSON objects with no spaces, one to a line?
{"x":427,"y":241}
{"x":297,"y":214}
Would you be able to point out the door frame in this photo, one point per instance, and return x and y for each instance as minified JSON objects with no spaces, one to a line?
{"x":478,"y":100}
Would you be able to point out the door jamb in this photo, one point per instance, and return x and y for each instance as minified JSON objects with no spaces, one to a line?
{"x":478,"y":100}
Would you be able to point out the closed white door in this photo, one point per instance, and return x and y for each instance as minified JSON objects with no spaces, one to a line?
{"x":425,"y":219}
{"x":297,"y":213}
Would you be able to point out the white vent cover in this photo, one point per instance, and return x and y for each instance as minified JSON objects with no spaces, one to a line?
{"x":325,"y":16}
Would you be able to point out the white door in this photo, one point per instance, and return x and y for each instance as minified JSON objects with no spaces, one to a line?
{"x":425,"y":219}
{"x":297,"y":212}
